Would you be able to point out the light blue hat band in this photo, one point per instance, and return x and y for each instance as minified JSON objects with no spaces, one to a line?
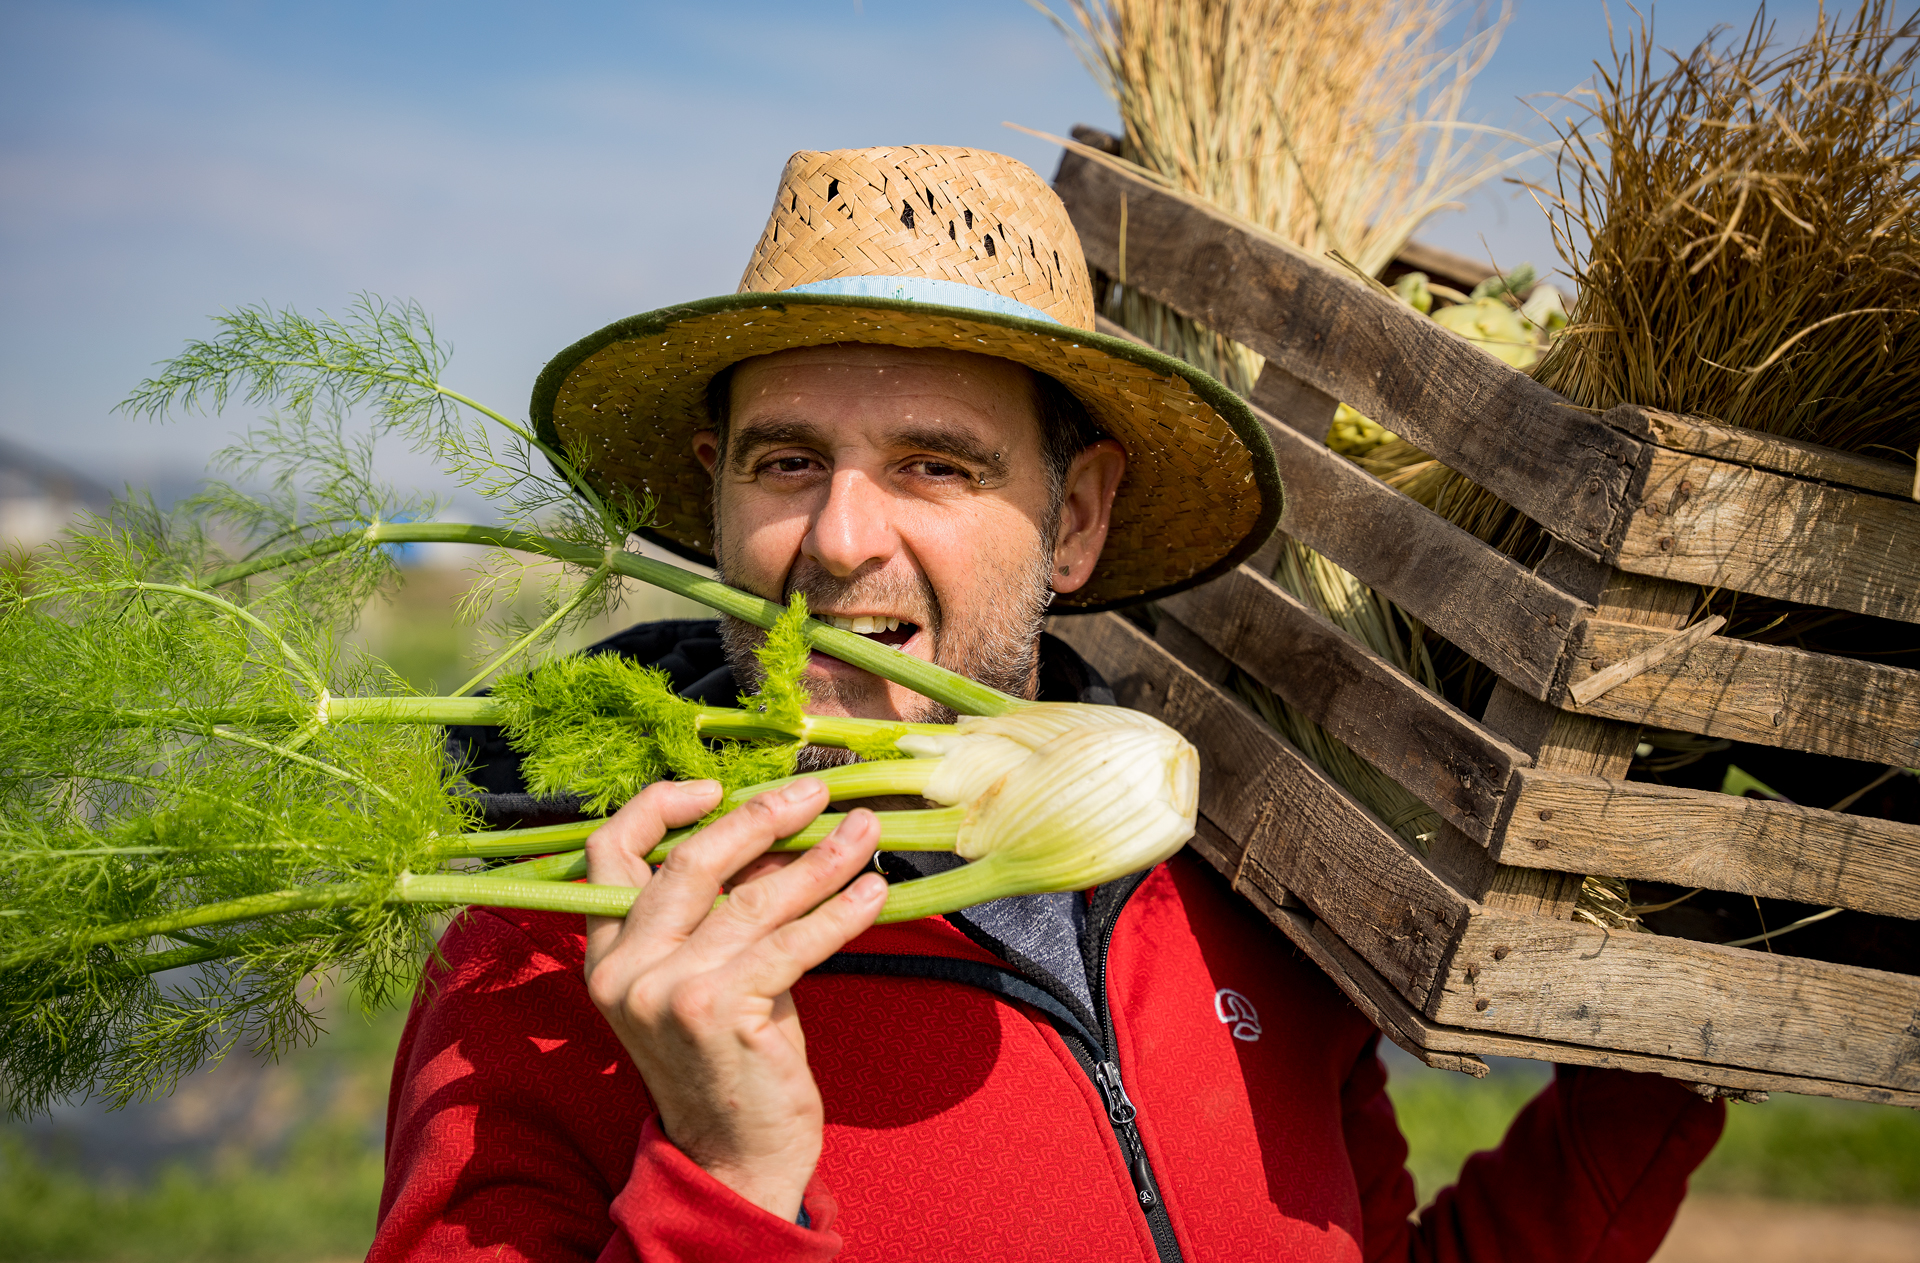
{"x":923,"y":289}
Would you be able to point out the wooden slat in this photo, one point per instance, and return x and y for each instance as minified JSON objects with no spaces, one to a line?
{"x":1767,"y":694}
{"x":1701,"y":520}
{"x":1300,"y":832}
{"x":1741,"y":527}
{"x":1575,"y":743}
{"x":1432,"y":1042}
{"x":1576,"y":983}
{"x":1452,"y":1048}
{"x":1559,"y":466}
{"x":1444,"y":266}
{"x":1498,"y":611}
{"x":1441,"y":265}
{"x":1301,"y":407}
{"x":1218,"y":848}
{"x":1764,"y":451}
{"x":1594,"y":685}
{"x":1441,"y":756}
{"x":1494,"y":609}
{"x":1591,"y":824}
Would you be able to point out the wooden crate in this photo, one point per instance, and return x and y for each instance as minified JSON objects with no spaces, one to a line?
{"x":1470,"y":949}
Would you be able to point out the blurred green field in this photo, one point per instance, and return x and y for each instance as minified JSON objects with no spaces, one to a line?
{"x":295,"y":1175}
{"x":417,"y":630}
{"x":1791,"y":1148}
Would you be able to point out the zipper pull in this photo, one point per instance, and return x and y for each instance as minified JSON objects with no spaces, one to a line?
{"x":1121,"y":1112}
{"x":1114,"y":1093}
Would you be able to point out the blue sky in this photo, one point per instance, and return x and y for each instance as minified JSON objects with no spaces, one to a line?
{"x":528,"y":172}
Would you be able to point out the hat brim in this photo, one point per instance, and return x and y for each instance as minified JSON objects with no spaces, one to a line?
{"x":1201,"y":493}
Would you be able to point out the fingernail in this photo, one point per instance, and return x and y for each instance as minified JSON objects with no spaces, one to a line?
{"x":868,"y":888}
{"x":703,"y":786}
{"x":800,"y":791}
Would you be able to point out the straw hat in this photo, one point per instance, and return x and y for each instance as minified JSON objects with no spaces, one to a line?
{"x":927,"y":246}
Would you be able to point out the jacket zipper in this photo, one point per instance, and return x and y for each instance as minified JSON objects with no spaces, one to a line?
{"x":1095,"y":1048}
{"x":1121,"y":1111}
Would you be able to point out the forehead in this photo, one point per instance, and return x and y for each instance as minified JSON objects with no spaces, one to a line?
{"x":856,"y":383}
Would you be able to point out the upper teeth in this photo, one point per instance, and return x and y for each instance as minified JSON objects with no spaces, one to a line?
{"x":864,"y":625}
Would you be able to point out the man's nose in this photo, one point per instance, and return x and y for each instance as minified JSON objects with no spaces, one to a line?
{"x":852,"y":528}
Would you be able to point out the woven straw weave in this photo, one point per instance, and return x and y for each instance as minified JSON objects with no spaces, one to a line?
{"x":1199,"y":488}
{"x":962,"y":215}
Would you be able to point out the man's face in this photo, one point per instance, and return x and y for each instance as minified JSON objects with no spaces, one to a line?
{"x":907,"y":488}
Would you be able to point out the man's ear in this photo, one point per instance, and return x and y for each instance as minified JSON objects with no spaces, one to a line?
{"x":706,"y":449}
{"x":1086,"y":507}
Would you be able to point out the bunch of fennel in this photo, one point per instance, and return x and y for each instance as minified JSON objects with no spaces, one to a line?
{"x":207,"y":800}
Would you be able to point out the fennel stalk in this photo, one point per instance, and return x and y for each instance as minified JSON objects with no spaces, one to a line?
{"x":207,"y":798}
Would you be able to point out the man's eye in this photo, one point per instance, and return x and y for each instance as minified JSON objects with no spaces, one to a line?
{"x":937,"y":469}
{"x":789,"y":465}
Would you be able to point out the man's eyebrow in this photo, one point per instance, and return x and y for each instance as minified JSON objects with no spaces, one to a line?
{"x":954,"y":442}
{"x":771,"y":432}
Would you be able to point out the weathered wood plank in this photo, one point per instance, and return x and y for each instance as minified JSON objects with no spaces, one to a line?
{"x":1741,"y":527}
{"x":1501,"y":613}
{"x":1763,"y":451}
{"x":1767,"y":694}
{"x":1301,"y":407}
{"x":1192,"y":649}
{"x":1431,"y":1041}
{"x":1441,"y":265}
{"x":1301,"y":832}
{"x":1217,"y":847}
{"x":1592,"y":686}
{"x":1701,"y":520}
{"x":1444,"y":266}
{"x":1576,"y":983}
{"x":1559,"y":466}
{"x":1441,"y":756}
{"x":1575,"y":743}
{"x":1592,"y":824}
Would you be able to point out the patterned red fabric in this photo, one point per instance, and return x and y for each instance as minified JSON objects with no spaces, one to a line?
{"x":959,"y":1125}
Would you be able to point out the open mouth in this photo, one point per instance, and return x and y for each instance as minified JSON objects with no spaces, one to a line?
{"x":888,"y":631}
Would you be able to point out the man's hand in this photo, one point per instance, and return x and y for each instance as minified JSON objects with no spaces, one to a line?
{"x":699,"y":995}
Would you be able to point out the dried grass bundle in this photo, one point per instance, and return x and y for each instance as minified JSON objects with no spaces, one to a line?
{"x":1742,"y":226}
{"x":1750,"y":239}
{"x":1336,"y":126}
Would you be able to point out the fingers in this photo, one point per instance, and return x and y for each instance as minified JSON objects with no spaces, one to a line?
{"x":756,"y":909}
{"x":771,"y":862}
{"x":790,"y":951}
{"x":616,"y":851}
{"x":683,"y":888}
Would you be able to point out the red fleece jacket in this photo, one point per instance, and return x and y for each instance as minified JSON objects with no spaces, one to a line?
{"x":960,"y":1125}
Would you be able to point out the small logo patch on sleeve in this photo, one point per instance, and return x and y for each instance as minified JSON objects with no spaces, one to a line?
{"x":1235,"y":1010}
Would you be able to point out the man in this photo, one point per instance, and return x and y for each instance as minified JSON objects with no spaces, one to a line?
{"x":903,"y":416}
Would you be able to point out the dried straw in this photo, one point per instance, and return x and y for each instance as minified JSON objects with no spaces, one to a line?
{"x":1336,"y":126}
{"x":1741,"y":225}
{"x":1750,"y":225}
